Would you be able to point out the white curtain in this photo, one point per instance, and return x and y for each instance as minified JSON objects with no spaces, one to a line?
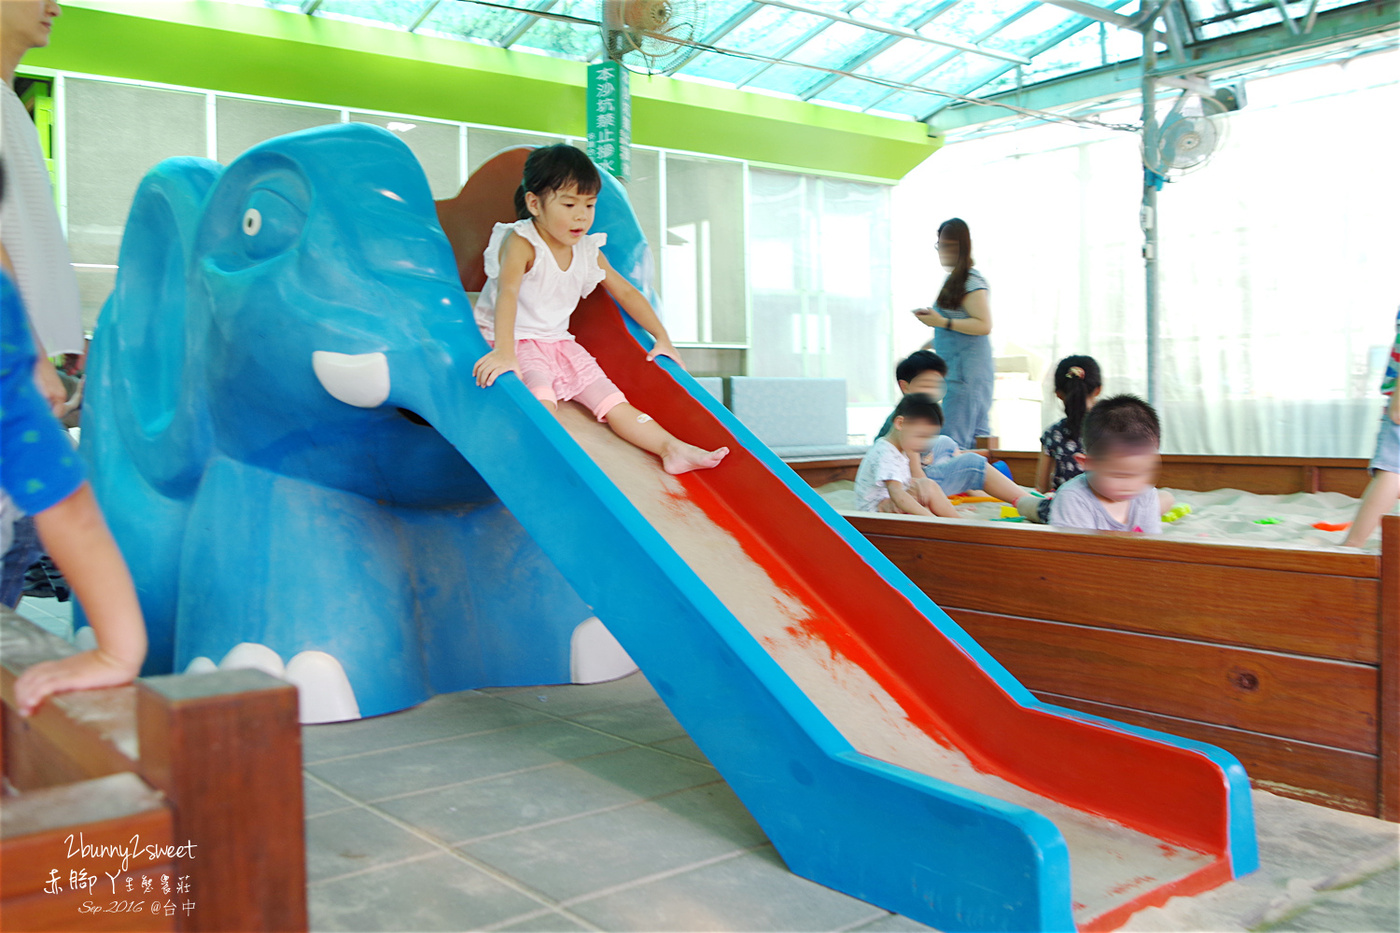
{"x":1278,"y":290}
{"x":819,"y":276}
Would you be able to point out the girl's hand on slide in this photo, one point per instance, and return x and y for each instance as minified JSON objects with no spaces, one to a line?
{"x":84,"y":671}
{"x":1394,"y":409}
{"x":492,"y":365}
{"x":665,"y":348}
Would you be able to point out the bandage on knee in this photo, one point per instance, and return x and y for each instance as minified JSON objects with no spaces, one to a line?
{"x":643,"y":418}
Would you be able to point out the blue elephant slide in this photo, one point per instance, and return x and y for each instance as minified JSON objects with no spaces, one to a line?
{"x":285,"y":436}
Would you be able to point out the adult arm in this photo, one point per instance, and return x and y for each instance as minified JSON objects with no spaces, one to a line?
{"x":977,"y":323}
{"x":635,"y":303}
{"x":516,"y":256}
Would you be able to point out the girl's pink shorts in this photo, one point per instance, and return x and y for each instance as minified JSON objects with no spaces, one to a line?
{"x":561,"y":370}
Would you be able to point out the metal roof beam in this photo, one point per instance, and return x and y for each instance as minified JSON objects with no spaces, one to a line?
{"x":797,"y":43}
{"x":1224,"y":53}
{"x":945,"y":59}
{"x":890,"y":41}
{"x":719,"y":32}
{"x":424,"y":14}
{"x":895,"y":31}
{"x":1137,"y":23}
{"x":526,"y":23}
{"x":1055,"y":39}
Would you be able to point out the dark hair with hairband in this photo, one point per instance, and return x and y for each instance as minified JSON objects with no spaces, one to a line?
{"x":1077,"y":378}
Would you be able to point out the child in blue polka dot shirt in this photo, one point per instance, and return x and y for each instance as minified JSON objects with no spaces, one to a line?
{"x":40,"y":474}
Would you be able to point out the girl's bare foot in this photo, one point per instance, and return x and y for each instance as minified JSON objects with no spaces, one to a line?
{"x":682,"y":458}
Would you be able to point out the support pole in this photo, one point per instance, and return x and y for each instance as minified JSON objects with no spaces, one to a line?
{"x":1151,"y":181}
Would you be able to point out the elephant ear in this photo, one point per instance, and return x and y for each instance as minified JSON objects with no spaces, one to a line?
{"x":147,"y":399}
{"x":627,"y":249}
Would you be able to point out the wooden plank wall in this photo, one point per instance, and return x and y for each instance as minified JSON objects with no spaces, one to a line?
{"x":1289,"y":659}
{"x":1262,"y":475}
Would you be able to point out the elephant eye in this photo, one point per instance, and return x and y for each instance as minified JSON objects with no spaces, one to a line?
{"x":271,"y":224}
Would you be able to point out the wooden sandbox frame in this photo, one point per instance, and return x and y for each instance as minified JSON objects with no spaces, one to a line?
{"x":205,"y":768}
{"x":1289,"y":659}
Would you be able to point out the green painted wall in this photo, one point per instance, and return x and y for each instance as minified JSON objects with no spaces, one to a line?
{"x":255,"y":50}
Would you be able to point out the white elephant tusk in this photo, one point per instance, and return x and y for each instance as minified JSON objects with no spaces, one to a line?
{"x":359,"y":379}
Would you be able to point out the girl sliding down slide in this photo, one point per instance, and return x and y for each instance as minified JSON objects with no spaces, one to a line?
{"x":537,"y":270}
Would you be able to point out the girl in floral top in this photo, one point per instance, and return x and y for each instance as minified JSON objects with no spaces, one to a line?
{"x":1078,"y":382}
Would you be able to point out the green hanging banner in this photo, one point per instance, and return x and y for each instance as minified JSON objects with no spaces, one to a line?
{"x":610,"y":118}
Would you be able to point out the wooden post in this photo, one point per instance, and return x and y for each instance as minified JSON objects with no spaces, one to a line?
{"x":226,"y":747}
{"x":1388,"y":718}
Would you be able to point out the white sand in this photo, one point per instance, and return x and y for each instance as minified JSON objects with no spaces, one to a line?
{"x":1225,"y":515}
{"x":1112,"y":864}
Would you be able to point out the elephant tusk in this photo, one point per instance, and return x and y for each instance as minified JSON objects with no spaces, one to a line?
{"x":359,"y":379}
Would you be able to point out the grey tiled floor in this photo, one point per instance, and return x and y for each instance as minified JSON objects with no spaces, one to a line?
{"x":589,"y":808}
{"x":542,"y":808}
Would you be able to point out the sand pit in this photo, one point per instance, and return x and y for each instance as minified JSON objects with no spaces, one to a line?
{"x":1225,"y":515}
{"x":1112,"y":864}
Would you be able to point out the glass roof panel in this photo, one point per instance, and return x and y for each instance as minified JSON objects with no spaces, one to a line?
{"x":719,"y":12}
{"x":770,"y":30}
{"x":909,"y":103}
{"x":903,"y":60}
{"x":900,"y":12}
{"x":785,"y":79}
{"x":729,"y":69}
{"x":1077,"y":53}
{"x":974,"y":17}
{"x":472,"y":21}
{"x":852,"y":93}
{"x":1058,"y":41}
{"x":564,"y":39}
{"x":402,"y":13}
{"x":1032,"y":29}
{"x":834,"y":46}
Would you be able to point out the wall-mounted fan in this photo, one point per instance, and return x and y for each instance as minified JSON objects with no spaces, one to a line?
{"x":650,"y":36}
{"x":1188,"y":132}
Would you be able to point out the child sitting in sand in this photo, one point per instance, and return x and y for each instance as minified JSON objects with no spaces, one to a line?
{"x":538,"y":269}
{"x":955,"y":471}
{"x":885,"y":481}
{"x":1384,"y":487}
{"x":1078,"y":382}
{"x":1121,"y":437}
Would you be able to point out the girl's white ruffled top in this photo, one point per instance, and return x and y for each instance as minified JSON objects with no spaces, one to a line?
{"x":548,"y":294}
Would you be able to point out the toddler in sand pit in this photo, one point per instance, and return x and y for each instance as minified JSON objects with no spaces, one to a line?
{"x":538,"y":269}
{"x":1121,"y":437}
{"x":955,"y":471}
{"x":890,"y":477}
